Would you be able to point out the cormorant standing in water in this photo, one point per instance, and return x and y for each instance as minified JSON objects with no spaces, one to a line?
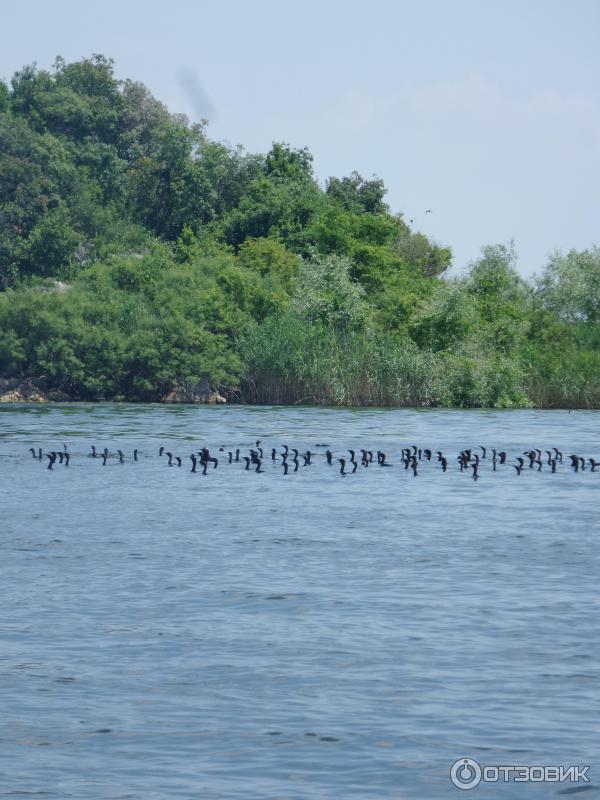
{"x":274,"y":454}
{"x":67,"y":457}
{"x":475,"y":468}
{"x":519,"y":466}
{"x":259,"y":448}
{"x":247,"y":460}
{"x":170,"y":455}
{"x":343,"y":464}
{"x":483,"y":450}
{"x":329,"y":457}
{"x":104,"y":458}
{"x":161,"y":450}
{"x":444,"y":463}
{"x":553,"y":464}
{"x":502,"y":455}
{"x":285,"y":467}
{"x":120,"y":452}
{"x":208,"y":457}
{"x":178,"y":460}
{"x":230,"y":456}
{"x":593,"y":465}
{"x":32,"y":451}
{"x":414,"y":465}
{"x":135,"y":455}
{"x":51,"y":459}
{"x":237,"y":454}
{"x":194,"y":462}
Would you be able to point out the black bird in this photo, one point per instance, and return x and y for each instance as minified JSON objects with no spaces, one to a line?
{"x":67,"y":457}
{"x":230,"y":455}
{"x":247,"y":460}
{"x":329,"y":456}
{"x":285,"y":467}
{"x":383,"y":462}
{"x":51,"y":459}
{"x":32,"y":451}
{"x":559,"y":455}
{"x":178,"y":460}
{"x":444,"y":463}
{"x":61,"y":456}
{"x":120,"y":452}
{"x":484,"y":451}
{"x":273,"y":454}
{"x":553,"y":464}
{"x":518,"y":467}
{"x":502,"y":455}
{"x":104,"y":458}
{"x":343,"y":465}
{"x":135,"y":455}
{"x":194,"y":462}
{"x":258,"y":463}
{"x":237,"y":454}
{"x":208,"y":457}
{"x":170,"y":455}
{"x":414,"y":466}
{"x":475,"y":468}
{"x":161,"y":450}
{"x":593,"y":465}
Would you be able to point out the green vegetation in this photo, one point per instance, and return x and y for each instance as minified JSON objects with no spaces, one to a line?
{"x":136,"y":255}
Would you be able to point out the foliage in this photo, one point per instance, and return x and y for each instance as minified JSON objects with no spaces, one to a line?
{"x":136,"y":253}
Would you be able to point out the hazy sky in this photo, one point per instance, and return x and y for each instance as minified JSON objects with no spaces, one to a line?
{"x":487,"y":112}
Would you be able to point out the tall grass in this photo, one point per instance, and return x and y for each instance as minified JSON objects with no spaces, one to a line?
{"x":565,"y":380}
{"x":289,"y":361}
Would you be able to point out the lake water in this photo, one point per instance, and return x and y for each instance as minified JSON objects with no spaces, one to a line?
{"x":165,"y":634}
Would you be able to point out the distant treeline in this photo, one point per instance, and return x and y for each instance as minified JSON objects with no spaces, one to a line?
{"x":136,"y":255}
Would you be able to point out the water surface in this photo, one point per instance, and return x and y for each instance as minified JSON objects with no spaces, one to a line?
{"x":170,"y":635}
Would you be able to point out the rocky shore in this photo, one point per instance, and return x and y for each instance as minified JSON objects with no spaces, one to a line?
{"x":29,"y":390}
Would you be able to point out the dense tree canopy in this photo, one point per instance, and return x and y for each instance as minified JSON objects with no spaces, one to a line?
{"x":136,"y":253}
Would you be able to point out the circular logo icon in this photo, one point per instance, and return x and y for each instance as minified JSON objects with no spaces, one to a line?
{"x":465,"y":773}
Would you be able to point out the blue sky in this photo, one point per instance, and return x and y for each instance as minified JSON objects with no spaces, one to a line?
{"x":487,"y":112}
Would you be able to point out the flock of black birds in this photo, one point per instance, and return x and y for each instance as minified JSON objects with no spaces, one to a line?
{"x":468,"y":460}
